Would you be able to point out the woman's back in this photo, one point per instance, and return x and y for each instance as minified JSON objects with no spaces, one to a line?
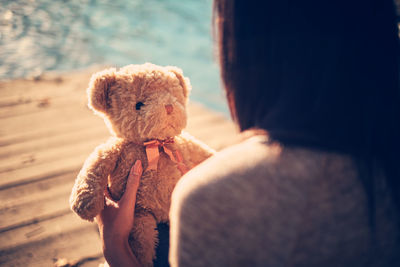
{"x":257,"y":204}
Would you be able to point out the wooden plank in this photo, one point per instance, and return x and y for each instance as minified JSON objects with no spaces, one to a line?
{"x":65,"y":138}
{"x":56,"y":224}
{"x":44,"y":119}
{"x":41,"y":171}
{"x":49,"y":83}
{"x":17,"y":106}
{"x":62,"y":127}
{"x":29,"y":191}
{"x":22,"y":210}
{"x":77,"y":245}
{"x":212,"y":128}
{"x":40,"y":156}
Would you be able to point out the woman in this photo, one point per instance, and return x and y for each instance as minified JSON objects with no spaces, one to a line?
{"x":316,"y":87}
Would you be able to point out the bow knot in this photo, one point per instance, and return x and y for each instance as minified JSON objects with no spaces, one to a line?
{"x":153,"y":154}
{"x":159,"y":143}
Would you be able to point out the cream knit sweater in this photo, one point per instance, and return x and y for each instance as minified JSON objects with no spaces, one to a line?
{"x":256,"y":204}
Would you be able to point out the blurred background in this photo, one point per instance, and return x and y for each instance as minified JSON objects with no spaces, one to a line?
{"x":42,"y":35}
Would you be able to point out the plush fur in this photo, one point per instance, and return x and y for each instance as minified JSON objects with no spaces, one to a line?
{"x":114,"y":95}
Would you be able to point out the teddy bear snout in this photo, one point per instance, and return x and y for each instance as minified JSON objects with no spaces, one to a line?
{"x":169,"y":108}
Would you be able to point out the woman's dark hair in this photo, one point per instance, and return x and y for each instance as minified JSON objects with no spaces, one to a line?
{"x":314,"y":73}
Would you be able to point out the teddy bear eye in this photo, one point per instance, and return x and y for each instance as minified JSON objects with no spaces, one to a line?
{"x":139,"y":105}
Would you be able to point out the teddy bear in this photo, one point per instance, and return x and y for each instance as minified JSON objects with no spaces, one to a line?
{"x":144,"y":107}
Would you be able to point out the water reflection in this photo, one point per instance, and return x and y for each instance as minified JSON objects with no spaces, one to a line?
{"x":40,"y":35}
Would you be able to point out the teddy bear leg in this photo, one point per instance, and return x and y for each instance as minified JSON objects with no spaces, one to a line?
{"x":143,"y":238}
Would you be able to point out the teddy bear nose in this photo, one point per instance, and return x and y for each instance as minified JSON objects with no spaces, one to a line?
{"x":169,"y":108}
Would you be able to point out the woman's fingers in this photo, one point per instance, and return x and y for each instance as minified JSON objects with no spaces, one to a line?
{"x":129,"y":197}
{"x":116,"y":219}
{"x":107,"y":192}
{"x":108,"y":199}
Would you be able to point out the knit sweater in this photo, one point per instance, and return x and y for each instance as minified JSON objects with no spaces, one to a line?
{"x":257,"y":204}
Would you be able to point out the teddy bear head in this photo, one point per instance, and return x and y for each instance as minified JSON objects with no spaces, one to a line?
{"x":141,"y":102}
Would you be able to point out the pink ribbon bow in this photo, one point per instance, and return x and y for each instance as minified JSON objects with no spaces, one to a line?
{"x":153,"y":154}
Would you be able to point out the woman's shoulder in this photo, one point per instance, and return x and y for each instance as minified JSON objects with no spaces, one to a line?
{"x":254,"y":185}
{"x":258,"y":163}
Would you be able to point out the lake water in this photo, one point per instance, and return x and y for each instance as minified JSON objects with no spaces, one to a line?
{"x":42,"y":35}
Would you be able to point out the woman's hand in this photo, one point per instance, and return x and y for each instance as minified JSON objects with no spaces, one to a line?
{"x":116,"y":219}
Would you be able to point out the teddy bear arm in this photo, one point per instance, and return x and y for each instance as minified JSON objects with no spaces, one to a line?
{"x":200,"y":152}
{"x":194,"y":150}
{"x":87,"y":197}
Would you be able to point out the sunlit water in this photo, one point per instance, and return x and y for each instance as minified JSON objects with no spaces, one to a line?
{"x":42,"y":35}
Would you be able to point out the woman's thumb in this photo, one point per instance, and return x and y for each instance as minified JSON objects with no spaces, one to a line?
{"x":132,"y":185}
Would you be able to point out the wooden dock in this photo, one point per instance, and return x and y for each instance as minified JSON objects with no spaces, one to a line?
{"x":46,"y":133}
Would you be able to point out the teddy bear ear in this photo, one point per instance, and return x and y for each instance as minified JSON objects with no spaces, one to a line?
{"x":185,"y":83}
{"x":99,"y":89}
